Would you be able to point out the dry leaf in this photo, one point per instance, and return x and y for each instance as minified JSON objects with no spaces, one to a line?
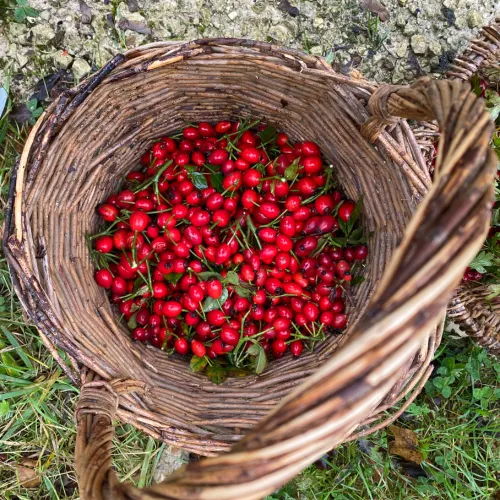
{"x":27,"y":475}
{"x":375,"y":8}
{"x":405,"y":444}
{"x":137,"y":26}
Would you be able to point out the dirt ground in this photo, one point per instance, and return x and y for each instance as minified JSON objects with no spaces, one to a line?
{"x":396,"y":41}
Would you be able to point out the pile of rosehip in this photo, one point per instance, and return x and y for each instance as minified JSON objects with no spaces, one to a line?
{"x":230,"y":243}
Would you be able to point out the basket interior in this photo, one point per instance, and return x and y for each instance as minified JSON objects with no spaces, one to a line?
{"x":104,"y":139}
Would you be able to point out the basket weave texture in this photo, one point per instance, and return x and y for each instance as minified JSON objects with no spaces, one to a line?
{"x":91,"y":136}
{"x":479,"y":317}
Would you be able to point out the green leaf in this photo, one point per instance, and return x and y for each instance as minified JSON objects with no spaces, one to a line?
{"x":253,"y":230}
{"x":211,"y":304}
{"x":260,"y":361}
{"x":19,"y":350}
{"x":492,"y":103}
{"x":232,"y":277}
{"x":198,"y":364}
{"x":216,"y":181}
{"x":37,"y":112}
{"x":343,"y":226}
{"x":482,"y":260}
{"x":216,"y":373}
{"x":4,"y":408}
{"x":475,"y":82}
{"x":494,"y":291}
{"x":32,"y":104}
{"x":206,"y":275}
{"x":268,"y":134}
{"x":242,"y":292}
{"x":31,"y":12}
{"x":357,"y":237}
{"x":338,"y":241}
{"x":199,"y":180}
{"x":232,"y":371}
{"x":254,"y":349}
{"x":355,"y":214}
{"x":132,"y":322}
{"x":474,"y":368}
{"x":292,"y":171}
{"x":446,"y":391}
{"x":357,"y":280}
{"x":439,"y":382}
{"x":9,"y":364}
{"x":173,"y":277}
{"x":329,"y":57}
{"x":22,"y":3}
{"x":19,"y":14}
{"x":495,"y":217}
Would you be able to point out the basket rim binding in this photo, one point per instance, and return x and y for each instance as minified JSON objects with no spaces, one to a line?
{"x":63,"y":107}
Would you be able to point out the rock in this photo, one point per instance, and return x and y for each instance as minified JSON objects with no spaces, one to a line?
{"x":80,"y":68}
{"x":280,"y":33}
{"x":401,"y":48}
{"x":322,"y":25}
{"x":133,"y":6}
{"x":171,"y":459}
{"x":401,"y":20}
{"x":317,"y":50}
{"x":318,"y":22}
{"x":409,"y":29}
{"x":461,"y":21}
{"x":45,"y":15}
{"x":42,"y":34}
{"x":418,"y":44}
{"x":22,"y":60}
{"x":17,"y":31}
{"x":62,"y":59}
{"x":474,"y":19}
{"x":435,"y":48}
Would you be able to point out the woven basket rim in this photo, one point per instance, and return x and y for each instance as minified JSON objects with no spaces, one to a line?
{"x":477,"y":316}
{"x":397,"y":334}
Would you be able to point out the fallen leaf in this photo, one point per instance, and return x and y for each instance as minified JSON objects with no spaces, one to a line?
{"x":20,"y":114}
{"x":412,"y":469}
{"x":405,"y":444}
{"x":375,"y":8}
{"x":287,"y":7}
{"x":44,"y":86}
{"x":26,"y":473}
{"x":139,"y":27}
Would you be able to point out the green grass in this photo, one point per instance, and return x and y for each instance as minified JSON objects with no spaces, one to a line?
{"x":456,"y":420}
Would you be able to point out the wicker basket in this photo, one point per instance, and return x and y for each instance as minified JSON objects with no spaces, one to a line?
{"x":89,"y":137}
{"x":478,"y":317}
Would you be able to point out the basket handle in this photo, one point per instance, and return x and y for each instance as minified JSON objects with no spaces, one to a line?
{"x":444,"y":235}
